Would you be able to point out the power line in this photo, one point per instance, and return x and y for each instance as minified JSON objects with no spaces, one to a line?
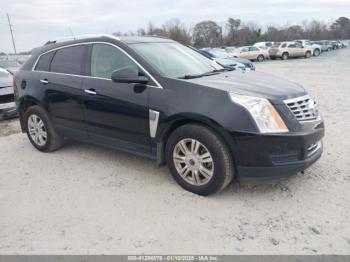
{"x":13,"y":39}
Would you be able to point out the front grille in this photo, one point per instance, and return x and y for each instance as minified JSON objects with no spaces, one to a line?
{"x":280,"y":157}
{"x":7,"y":98}
{"x":303,"y":108}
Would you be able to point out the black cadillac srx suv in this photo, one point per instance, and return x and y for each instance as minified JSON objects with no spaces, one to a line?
{"x":157,"y":98}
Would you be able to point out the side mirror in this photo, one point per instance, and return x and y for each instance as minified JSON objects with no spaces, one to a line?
{"x":128,"y":75}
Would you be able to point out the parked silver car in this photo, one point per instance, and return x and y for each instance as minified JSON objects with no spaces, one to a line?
{"x":7,"y":104}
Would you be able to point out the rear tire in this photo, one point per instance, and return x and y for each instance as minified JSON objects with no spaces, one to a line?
{"x":40,"y":130}
{"x":199,"y":160}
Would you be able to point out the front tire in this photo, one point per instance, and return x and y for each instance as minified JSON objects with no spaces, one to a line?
{"x":308,"y":54}
{"x":199,"y":160}
{"x":40,"y":130}
{"x":285,"y":56}
{"x":317,"y":52}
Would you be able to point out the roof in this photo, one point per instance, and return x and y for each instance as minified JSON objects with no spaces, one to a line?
{"x":144,"y":39}
{"x":125,"y":39}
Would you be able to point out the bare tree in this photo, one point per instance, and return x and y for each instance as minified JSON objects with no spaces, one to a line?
{"x":207,"y":33}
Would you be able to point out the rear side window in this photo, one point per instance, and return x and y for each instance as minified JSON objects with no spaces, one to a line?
{"x":44,"y":62}
{"x":69,"y":60}
{"x":105,"y":59}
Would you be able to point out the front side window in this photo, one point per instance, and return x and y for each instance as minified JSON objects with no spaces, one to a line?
{"x":174,"y":60}
{"x":69,"y":60}
{"x":106,"y":58}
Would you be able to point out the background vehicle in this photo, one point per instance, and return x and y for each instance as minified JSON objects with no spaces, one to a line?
{"x":316,"y":49}
{"x":324,"y":45}
{"x":290,"y":49}
{"x":10,"y":65}
{"x":264,"y":45}
{"x":251,"y":53}
{"x":226,"y":59}
{"x":335,"y":45}
{"x":7,"y":104}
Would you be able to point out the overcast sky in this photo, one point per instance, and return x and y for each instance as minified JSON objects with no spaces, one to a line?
{"x":36,"y":21}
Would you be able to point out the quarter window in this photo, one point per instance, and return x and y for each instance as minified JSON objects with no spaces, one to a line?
{"x":69,"y":60}
{"x":105,"y":59}
{"x":44,"y":62}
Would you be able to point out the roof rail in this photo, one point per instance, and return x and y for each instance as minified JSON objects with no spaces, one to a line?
{"x":76,"y":37}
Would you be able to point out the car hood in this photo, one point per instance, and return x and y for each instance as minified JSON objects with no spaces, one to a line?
{"x":253,"y":83}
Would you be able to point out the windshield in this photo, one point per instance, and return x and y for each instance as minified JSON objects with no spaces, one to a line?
{"x":6,"y":64}
{"x":174,"y":60}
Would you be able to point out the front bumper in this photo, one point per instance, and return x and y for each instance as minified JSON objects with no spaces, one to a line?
{"x":8,"y":110}
{"x":274,"y":157}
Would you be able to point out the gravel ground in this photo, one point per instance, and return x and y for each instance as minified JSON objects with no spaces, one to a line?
{"x":85,"y":199}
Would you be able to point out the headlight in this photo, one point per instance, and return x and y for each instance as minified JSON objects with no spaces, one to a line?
{"x":265,"y":115}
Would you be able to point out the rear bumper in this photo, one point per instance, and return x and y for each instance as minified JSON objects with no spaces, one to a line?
{"x":8,"y":110}
{"x":274,"y":157}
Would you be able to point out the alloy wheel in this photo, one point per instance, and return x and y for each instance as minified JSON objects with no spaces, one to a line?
{"x":193,"y":162}
{"x":37,"y":130}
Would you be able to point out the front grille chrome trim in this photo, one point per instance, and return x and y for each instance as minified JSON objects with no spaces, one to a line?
{"x":303,"y":108}
{"x":313,"y":148}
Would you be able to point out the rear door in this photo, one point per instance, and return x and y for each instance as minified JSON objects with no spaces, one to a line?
{"x":63,"y":88}
{"x":293,"y":50}
{"x":117,"y":114}
{"x":254,"y":52}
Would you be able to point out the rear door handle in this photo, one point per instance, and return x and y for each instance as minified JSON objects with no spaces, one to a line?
{"x":90,"y":91}
{"x":44,"y":81}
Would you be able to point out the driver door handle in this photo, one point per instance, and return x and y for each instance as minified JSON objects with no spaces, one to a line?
{"x":90,"y":91}
{"x":44,"y":81}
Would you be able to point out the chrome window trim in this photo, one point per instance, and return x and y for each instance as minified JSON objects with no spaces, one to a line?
{"x":95,"y":42}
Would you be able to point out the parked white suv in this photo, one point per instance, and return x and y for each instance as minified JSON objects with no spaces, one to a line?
{"x":316,"y":49}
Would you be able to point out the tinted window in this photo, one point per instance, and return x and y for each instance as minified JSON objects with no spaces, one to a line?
{"x":44,"y":62}
{"x":105,"y":59}
{"x":292,"y":46}
{"x":69,"y":60}
{"x":284,"y":45}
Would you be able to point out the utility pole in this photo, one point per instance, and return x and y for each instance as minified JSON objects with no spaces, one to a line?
{"x":13,"y":39}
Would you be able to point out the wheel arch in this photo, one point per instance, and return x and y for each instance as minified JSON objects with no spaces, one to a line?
{"x":182,"y":119}
{"x":23,"y":104}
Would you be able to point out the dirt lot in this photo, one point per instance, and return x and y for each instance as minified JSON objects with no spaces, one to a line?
{"x":86,"y":199}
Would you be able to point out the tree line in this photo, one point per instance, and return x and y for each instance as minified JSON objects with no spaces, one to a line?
{"x":236,"y":32}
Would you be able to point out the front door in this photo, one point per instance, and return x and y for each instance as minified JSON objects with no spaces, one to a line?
{"x":116,"y":114}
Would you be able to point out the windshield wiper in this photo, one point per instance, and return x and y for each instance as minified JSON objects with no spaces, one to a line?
{"x":210,"y":73}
